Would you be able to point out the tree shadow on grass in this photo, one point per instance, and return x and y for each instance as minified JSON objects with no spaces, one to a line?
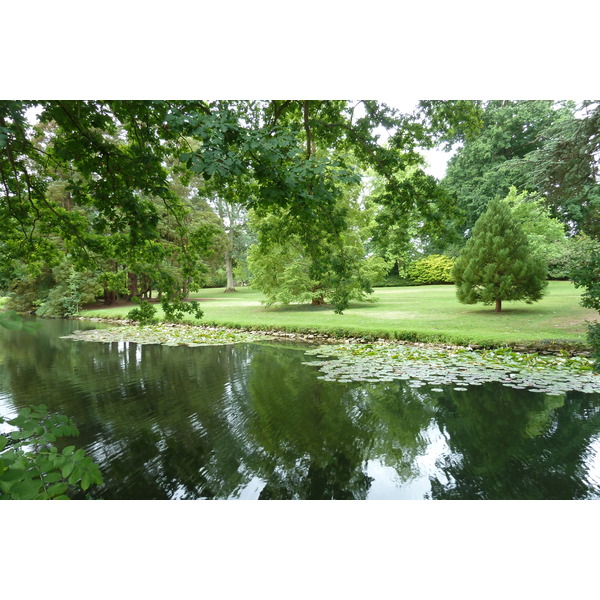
{"x":505,"y":311}
{"x":310,"y":308}
{"x":300,"y":308}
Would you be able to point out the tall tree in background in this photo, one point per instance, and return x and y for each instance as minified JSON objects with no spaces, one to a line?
{"x":565,"y":168}
{"x":497,"y":263}
{"x":566,"y":171}
{"x":228,"y":204}
{"x":486,"y":166}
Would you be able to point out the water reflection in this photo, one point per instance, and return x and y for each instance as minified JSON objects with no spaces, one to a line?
{"x":251,"y":421}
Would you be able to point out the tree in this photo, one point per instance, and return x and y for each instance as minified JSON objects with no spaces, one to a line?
{"x":585,"y":273}
{"x":497,"y":264}
{"x":228,"y":205}
{"x":565,"y":168}
{"x":566,"y":171}
{"x":400,"y":231}
{"x":286,"y":273}
{"x":545,"y":233}
{"x":486,"y":166}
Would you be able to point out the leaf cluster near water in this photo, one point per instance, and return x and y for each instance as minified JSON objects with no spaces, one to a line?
{"x":166,"y":335}
{"x":459,"y":368}
{"x":31,"y":465}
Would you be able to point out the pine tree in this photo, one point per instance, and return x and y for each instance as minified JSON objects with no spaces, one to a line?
{"x":497,"y":262}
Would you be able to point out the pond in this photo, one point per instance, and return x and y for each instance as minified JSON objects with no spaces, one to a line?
{"x":258,"y":421}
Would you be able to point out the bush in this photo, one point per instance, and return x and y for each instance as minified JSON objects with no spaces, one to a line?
{"x":145,"y":314}
{"x":175,"y":309}
{"x":393,"y":281}
{"x":433,"y":269}
{"x":216,"y":278}
{"x":72,"y":290}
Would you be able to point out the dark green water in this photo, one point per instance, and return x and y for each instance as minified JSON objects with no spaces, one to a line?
{"x":251,"y":421}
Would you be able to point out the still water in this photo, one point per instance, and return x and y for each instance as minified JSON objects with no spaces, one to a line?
{"x":250,"y":421}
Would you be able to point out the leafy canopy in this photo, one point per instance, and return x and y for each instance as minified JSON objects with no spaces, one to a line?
{"x":110,"y":161}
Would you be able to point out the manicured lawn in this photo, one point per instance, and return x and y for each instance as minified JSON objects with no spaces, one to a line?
{"x":426,"y":313}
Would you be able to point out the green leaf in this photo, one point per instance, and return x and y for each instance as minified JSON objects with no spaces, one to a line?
{"x":67,"y":469}
{"x":3,"y":442}
{"x":52,"y":478}
{"x":75,"y":475}
{"x":57,"y":489}
{"x":23,"y":490}
{"x":68,"y":450}
{"x":86,"y":482}
{"x":45,"y":465}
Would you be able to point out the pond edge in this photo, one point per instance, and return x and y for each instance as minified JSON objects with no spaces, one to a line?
{"x":543,"y":347}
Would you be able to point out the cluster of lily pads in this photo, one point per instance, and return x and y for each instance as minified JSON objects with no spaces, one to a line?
{"x":459,"y":368}
{"x":167,"y":335}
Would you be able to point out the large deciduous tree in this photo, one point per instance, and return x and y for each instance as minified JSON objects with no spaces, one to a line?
{"x":286,"y":273}
{"x":497,"y":263}
{"x":487,"y":165}
{"x":565,"y":169}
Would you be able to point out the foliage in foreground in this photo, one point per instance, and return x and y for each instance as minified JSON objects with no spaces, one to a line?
{"x":32,"y":468}
{"x":497,"y":263}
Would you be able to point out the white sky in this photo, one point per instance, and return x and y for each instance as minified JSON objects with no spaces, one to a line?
{"x":437,"y":160}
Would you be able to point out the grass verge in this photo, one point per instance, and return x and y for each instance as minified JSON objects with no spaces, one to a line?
{"x":416,"y":314}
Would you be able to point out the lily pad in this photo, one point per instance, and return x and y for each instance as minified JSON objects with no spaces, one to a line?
{"x":459,"y":368}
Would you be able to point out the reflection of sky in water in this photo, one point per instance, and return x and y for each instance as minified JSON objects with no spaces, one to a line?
{"x":593,"y":466}
{"x":387,"y":485}
{"x":7,"y":411}
{"x":251,"y":491}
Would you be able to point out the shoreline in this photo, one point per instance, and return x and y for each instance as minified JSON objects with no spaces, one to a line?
{"x":550,"y":347}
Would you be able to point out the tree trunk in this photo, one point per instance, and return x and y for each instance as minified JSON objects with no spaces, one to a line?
{"x":133,"y":284}
{"x":318,"y":300}
{"x":229,"y":272}
{"x":109,"y":296}
{"x":498,"y":305}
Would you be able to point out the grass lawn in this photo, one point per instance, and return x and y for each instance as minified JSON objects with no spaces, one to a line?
{"x":425,"y":313}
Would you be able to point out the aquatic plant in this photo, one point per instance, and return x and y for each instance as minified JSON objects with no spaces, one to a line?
{"x":167,"y":335}
{"x":457,"y":367}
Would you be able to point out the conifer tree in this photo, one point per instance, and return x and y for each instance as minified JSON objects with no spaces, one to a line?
{"x":497,"y":262}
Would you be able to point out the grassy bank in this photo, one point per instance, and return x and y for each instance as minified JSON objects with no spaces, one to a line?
{"x":426,"y":313}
